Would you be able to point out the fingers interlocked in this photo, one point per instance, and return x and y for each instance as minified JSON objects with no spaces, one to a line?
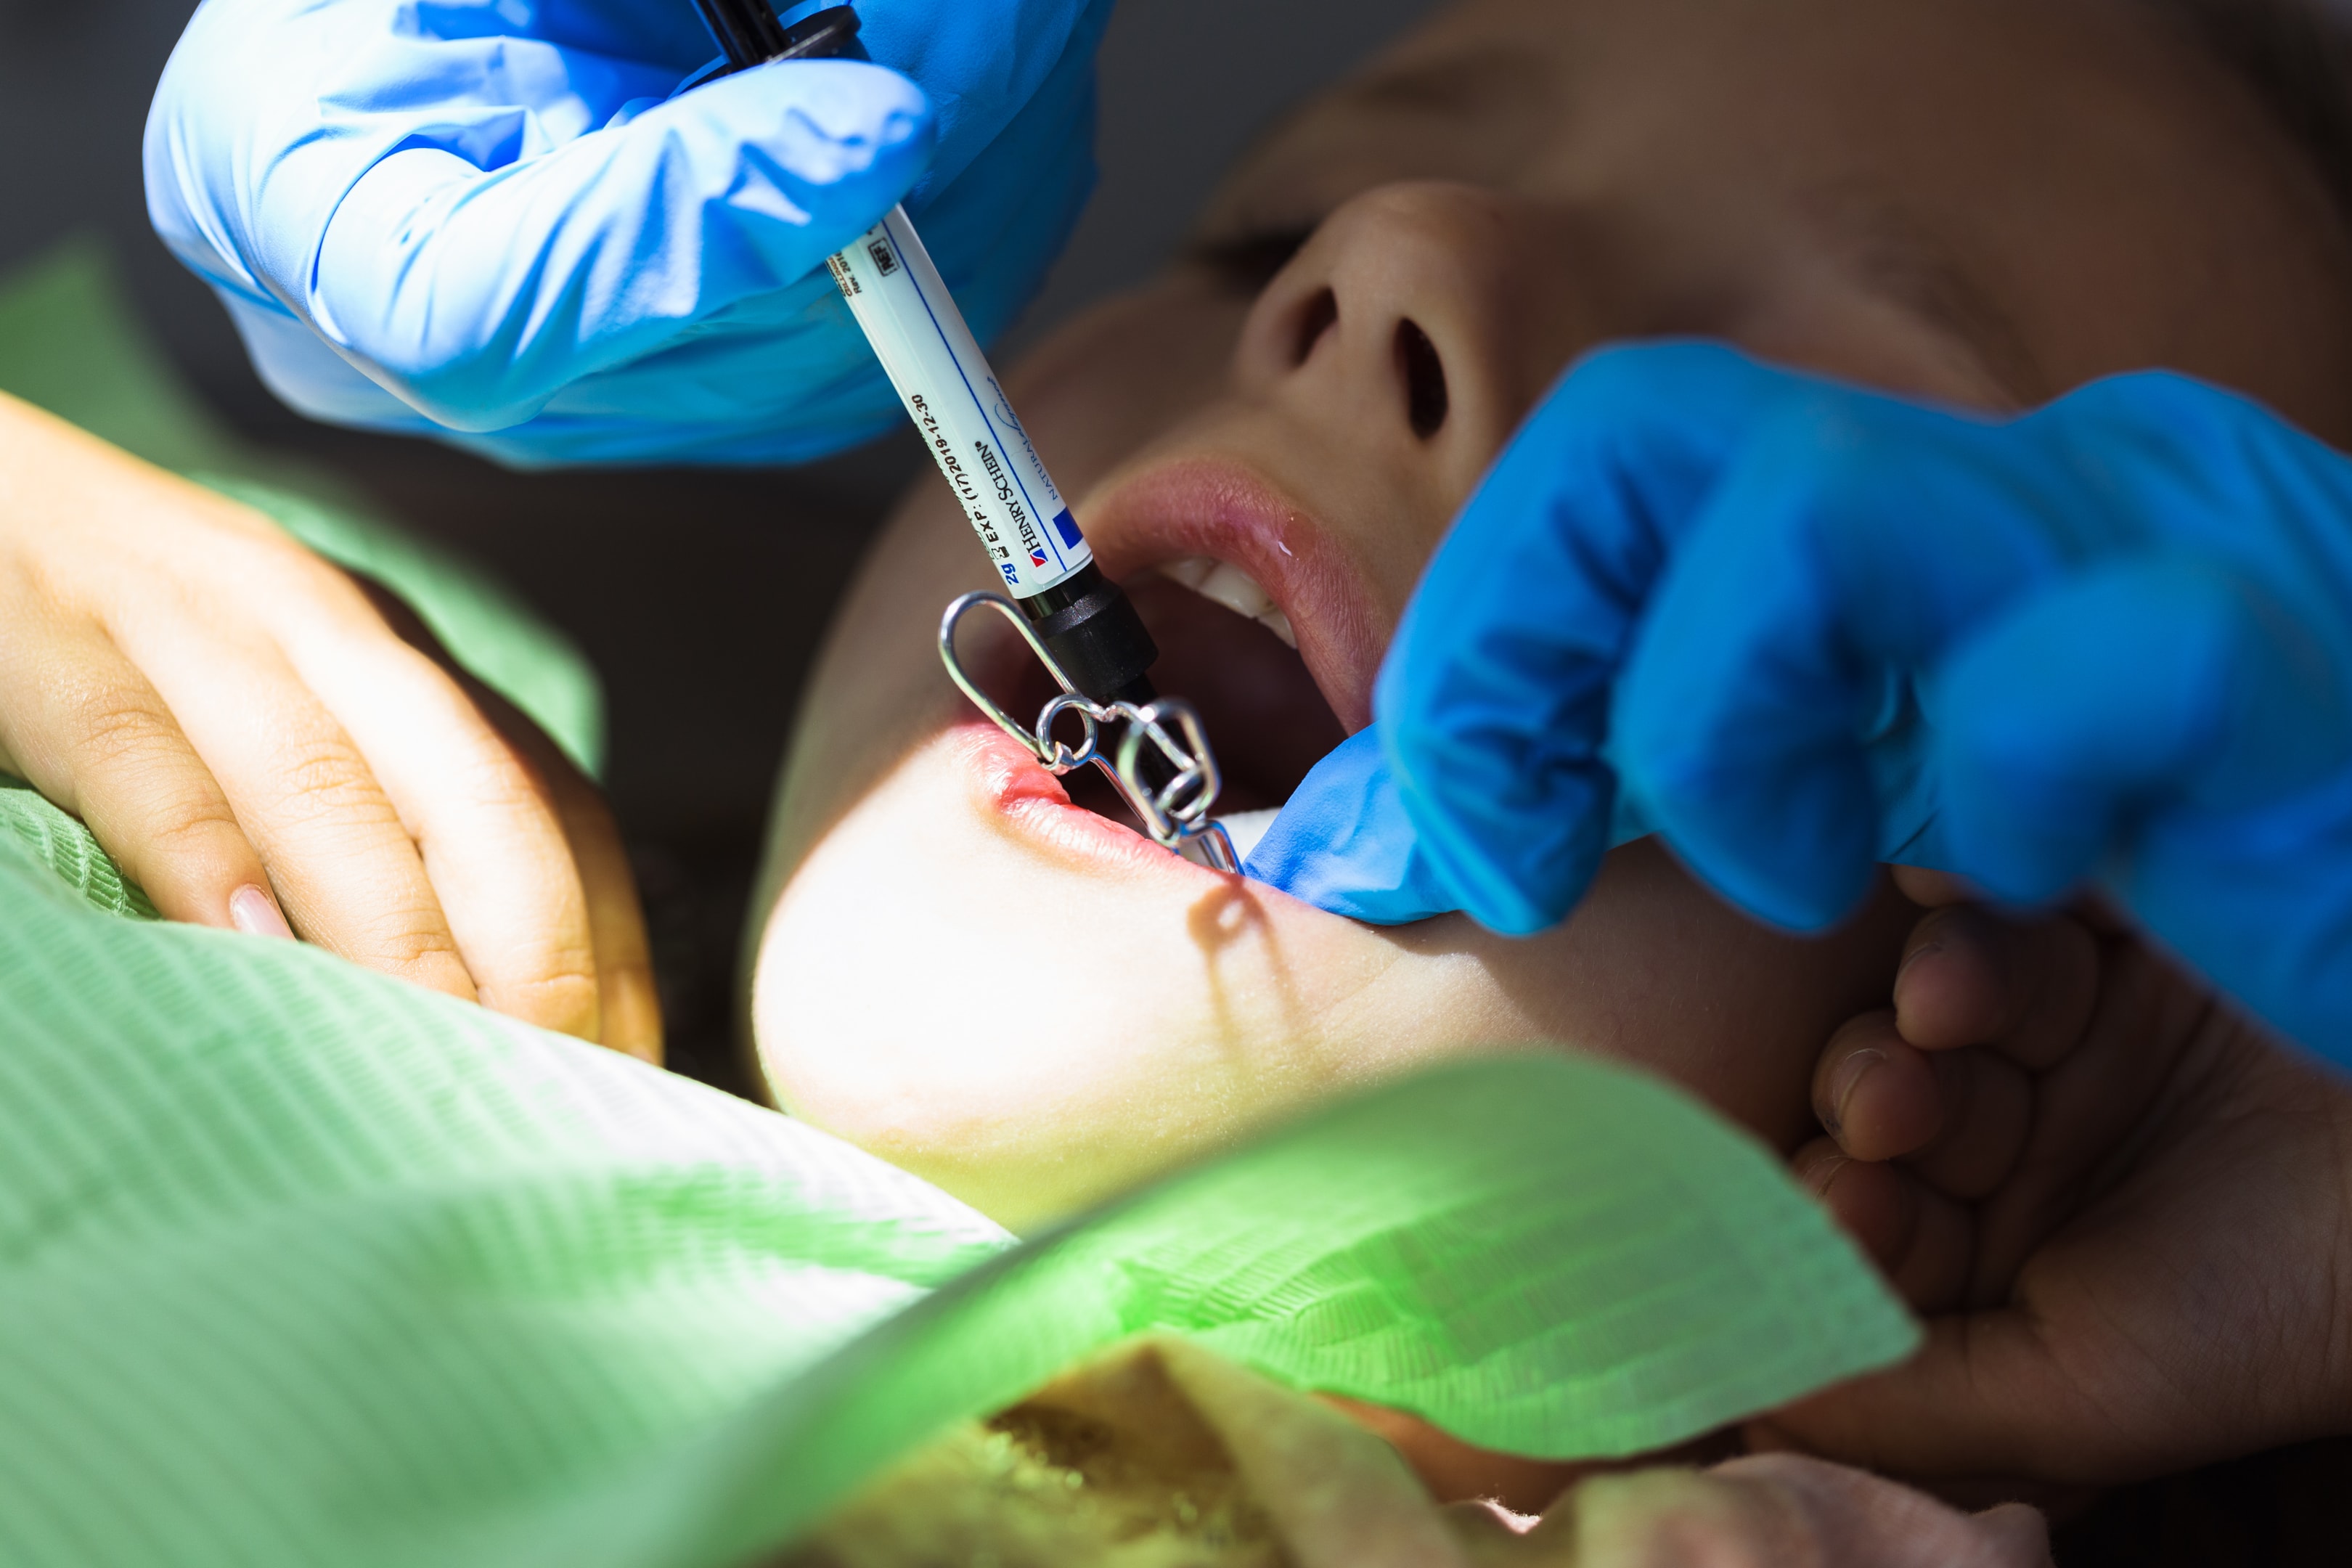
{"x":1930,"y":1106}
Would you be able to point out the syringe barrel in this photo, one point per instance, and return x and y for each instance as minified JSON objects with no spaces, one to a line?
{"x":962,"y":413}
{"x":951,"y":394}
{"x":967,"y":425}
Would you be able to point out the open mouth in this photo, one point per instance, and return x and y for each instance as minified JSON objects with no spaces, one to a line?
{"x":1259,"y":620}
{"x":1261,"y":707}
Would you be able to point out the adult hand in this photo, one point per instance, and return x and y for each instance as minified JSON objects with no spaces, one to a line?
{"x":2123,"y":1214}
{"x":258,"y":746}
{"x":1712,"y":585}
{"x":495,"y":223}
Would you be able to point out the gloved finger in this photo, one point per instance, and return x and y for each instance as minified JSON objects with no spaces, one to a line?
{"x":1343,"y":843}
{"x":786,"y":378}
{"x":476,"y":293}
{"x":1969,"y":977}
{"x":984,"y":66}
{"x":2154,"y":682}
{"x":81,"y":724}
{"x":481,"y":816}
{"x":346,"y":869}
{"x":1494,"y":698}
{"x":994,"y":227}
{"x":1854,"y":534}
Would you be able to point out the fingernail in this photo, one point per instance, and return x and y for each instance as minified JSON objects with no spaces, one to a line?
{"x":1822,"y":1174}
{"x":253,"y":911}
{"x":1843,"y":1082}
{"x":1915,"y":955}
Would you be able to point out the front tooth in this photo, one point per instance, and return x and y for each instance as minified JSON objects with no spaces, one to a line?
{"x":1192,"y":570}
{"x":1235,"y":589}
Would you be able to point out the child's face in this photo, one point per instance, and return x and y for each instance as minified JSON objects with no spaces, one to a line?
{"x":1983,"y":200}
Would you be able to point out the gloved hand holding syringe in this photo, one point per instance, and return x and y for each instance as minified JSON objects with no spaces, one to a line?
{"x":1080,"y":624}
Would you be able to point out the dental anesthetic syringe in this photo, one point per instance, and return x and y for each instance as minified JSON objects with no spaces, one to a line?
{"x":1080,"y":624}
{"x":953,"y":397}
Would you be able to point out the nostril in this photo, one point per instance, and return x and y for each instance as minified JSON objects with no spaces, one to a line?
{"x":1321,"y":314}
{"x":1425,"y":402}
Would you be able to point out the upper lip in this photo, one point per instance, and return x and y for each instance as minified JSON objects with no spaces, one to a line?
{"x":1220,"y":509}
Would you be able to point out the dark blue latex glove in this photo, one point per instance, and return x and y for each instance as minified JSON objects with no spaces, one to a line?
{"x":500,"y":223}
{"x":1691,"y":595}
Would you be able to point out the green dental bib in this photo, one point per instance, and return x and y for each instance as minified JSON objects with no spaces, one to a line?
{"x":302,"y":1266}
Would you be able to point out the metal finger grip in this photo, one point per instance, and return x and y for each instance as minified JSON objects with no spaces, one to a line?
{"x":1175,"y":812}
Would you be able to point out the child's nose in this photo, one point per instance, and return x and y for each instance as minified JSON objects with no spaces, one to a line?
{"x":1410,"y":317}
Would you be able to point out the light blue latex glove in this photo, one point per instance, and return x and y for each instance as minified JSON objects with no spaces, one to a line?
{"x":1693,"y":580}
{"x":490,"y":220}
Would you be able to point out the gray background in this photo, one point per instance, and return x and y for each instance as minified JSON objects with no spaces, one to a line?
{"x":677,"y":583}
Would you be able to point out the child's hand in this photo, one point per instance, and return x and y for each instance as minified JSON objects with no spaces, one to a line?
{"x":256,"y":746}
{"x":2123,"y":1211}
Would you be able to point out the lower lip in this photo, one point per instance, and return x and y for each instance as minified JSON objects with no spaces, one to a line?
{"x":1013,"y":786}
